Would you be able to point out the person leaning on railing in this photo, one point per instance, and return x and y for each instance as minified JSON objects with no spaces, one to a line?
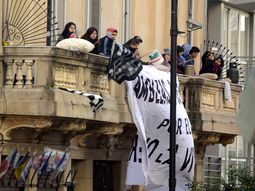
{"x":189,"y":59}
{"x":105,"y":43}
{"x":91,"y":35}
{"x":68,"y":32}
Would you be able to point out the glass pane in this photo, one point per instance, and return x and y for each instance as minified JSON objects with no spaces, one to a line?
{"x":232,"y":149}
{"x":60,"y":10}
{"x":94,"y":17}
{"x":243,"y":35}
{"x":234,"y":33}
{"x":225,"y":29}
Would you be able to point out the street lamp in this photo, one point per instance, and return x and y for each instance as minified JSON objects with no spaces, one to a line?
{"x":173,"y":34}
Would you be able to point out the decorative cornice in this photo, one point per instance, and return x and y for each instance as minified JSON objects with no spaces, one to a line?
{"x":205,"y":139}
{"x":11,"y":123}
{"x":107,"y":136}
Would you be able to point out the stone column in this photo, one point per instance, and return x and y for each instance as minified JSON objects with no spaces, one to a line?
{"x":19,"y":78}
{"x":84,"y":176}
{"x":123,"y":169}
{"x":29,"y":77}
{"x":68,"y":168}
{"x":199,"y":157}
{"x":9,"y":74}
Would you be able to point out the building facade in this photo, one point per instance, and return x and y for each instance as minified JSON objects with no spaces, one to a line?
{"x":35,"y":113}
{"x":231,"y":23}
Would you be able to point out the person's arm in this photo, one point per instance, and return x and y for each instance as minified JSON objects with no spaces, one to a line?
{"x":219,"y":72}
{"x":100,"y":47}
{"x":204,"y":57}
{"x":60,"y":38}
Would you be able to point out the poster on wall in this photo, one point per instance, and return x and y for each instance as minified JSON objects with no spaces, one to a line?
{"x":149,"y":102}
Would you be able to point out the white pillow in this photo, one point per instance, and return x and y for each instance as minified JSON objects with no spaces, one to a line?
{"x":76,"y":44}
{"x":210,"y":76}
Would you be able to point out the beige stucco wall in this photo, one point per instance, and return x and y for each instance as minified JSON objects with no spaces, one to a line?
{"x":148,"y":20}
{"x":152,"y":19}
{"x":199,"y":36}
{"x":111,"y":16}
{"x":76,"y":12}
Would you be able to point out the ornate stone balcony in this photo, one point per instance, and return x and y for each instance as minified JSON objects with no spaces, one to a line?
{"x":31,"y":103}
{"x":211,"y":116}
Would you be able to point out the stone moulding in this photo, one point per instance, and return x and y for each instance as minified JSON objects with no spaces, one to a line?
{"x":11,"y":123}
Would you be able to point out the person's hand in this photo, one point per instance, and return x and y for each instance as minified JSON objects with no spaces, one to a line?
{"x":73,"y":35}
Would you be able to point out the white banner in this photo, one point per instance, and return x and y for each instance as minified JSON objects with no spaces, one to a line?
{"x":149,"y":102}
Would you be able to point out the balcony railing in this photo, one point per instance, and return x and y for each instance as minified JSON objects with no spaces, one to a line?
{"x":33,"y":69}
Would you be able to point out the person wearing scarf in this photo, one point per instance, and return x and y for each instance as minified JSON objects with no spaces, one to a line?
{"x":92,"y":36}
{"x":68,"y":32}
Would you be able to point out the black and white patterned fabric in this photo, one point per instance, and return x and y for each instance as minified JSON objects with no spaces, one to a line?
{"x":123,"y":64}
{"x":96,"y":101}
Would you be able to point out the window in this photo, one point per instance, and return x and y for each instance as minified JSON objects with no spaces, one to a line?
{"x":126,"y":20}
{"x":235,"y":32}
{"x":243,"y":28}
{"x":225,"y":27}
{"x":58,"y":17}
{"x":60,"y":12}
{"x":93,"y":14}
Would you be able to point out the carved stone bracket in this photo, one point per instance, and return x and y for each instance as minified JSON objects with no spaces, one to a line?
{"x":108,"y":136}
{"x":208,"y":139}
{"x":225,"y":140}
{"x":10,"y":124}
{"x":213,"y":138}
{"x":72,"y":129}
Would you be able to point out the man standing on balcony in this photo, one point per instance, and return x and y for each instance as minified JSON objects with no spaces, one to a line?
{"x":105,"y":43}
{"x":190,"y":60}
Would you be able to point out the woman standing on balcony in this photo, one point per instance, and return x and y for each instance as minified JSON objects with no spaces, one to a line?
{"x":212,"y":65}
{"x":68,"y":32}
{"x":92,"y":36}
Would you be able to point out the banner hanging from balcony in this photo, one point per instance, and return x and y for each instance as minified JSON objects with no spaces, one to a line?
{"x":96,"y":101}
{"x":149,"y":102}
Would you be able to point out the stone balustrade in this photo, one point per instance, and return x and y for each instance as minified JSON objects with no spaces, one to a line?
{"x":51,"y":67}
